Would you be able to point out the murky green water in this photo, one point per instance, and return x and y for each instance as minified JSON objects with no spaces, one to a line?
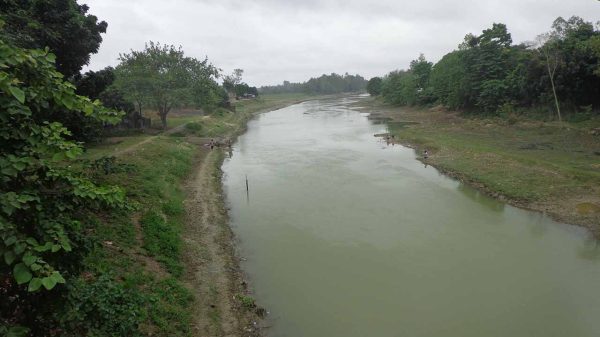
{"x":346,"y":236}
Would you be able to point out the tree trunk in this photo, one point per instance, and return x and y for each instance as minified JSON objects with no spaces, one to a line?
{"x":555,"y":99}
{"x":163,"y":119}
{"x":551,"y":75}
{"x":138,"y":116}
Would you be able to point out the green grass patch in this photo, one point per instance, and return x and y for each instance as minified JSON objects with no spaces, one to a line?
{"x":530,"y":160}
{"x":162,"y":241}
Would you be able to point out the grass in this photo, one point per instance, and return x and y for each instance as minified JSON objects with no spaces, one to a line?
{"x":139,"y":250}
{"x":536,"y":164}
{"x":110,"y":146}
{"x":152,"y":181}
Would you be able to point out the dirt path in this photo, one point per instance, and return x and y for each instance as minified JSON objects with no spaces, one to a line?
{"x":147,"y":140}
{"x":213,"y":270}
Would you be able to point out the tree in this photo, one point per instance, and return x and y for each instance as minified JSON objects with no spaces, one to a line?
{"x":576,"y":84}
{"x":99,"y":85}
{"x":231,"y":81}
{"x":421,"y":69}
{"x":61,"y":25}
{"x":594,"y":44}
{"x":448,"y":78}
{"x":70,"y":33}
{"x":163,"y":77}
{"x":374,"y":86}
{"x":548,"y":48}
{"x":45,"y":200}
{"x":132,"y":80}
{"x":93,"y":83}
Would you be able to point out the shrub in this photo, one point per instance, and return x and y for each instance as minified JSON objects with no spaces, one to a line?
{"x":102,"y":307}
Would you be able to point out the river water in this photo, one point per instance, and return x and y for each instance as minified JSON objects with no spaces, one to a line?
{"x":344,"y":235}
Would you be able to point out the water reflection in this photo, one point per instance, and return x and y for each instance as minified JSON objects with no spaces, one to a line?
{"x":480,"y":198}
{"x":539,"y":226}
{"x":590,"y":250}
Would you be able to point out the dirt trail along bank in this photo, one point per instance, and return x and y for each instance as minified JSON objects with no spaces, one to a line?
{"x":213,"y":270}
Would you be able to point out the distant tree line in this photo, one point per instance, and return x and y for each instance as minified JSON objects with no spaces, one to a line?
{"x":488,"y":74}
{"x":325,"y":84}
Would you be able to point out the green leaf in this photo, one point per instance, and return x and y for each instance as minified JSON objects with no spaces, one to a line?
{"x":21,"y":273}
{"x":32,"y":241}
{"x":29,"y":259}
{"x":10,"y":240}
{"x":19,"y":248}
{"x":72,"y":153}
{"x":58,"y":156}
{"x":34,"y":284}
{"x":88,"y":109}
{"x":51,"y":57}
{"x":9,"y":257}
{"x":17,"y":331}
{"x":49,"y":282}
{"x":47,"y":246}
{"x":56,"y":276}
{"x":18,"y":93}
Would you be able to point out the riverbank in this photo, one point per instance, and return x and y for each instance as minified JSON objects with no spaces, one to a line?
{"x":173,"y":253}
{"x":536,"y":165}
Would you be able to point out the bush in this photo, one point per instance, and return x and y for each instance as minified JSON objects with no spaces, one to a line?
{"x":193,"y":126}
{"x":102,"y":307}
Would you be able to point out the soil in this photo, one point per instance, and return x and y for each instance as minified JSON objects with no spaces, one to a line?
{"x":213,"y":271}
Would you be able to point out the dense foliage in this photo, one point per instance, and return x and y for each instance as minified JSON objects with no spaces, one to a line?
{"x":45,"y":201}
{"x":325,"y":84}
{"x":162,"y":77}
{"x":99,"y":85}
{"x":489,"y":74}
{"x":374,"y":86}
{"x":61,"y":25}
{"x":70,"y":33}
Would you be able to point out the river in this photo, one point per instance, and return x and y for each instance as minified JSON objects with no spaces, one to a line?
{"x":344,"y":235}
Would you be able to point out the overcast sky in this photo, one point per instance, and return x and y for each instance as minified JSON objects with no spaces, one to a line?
{"x":276,"y":40}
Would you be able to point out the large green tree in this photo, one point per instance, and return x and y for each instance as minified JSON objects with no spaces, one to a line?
{"x":374,"y":86}
{"x":162,"y":77}
{"x":448,"y":80}
{"x":64,"y":26}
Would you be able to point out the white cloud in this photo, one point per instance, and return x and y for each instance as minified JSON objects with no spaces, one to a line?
{"x":293,"y":40}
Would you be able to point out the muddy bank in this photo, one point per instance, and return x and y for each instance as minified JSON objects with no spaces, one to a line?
{"x":213,"y":272}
